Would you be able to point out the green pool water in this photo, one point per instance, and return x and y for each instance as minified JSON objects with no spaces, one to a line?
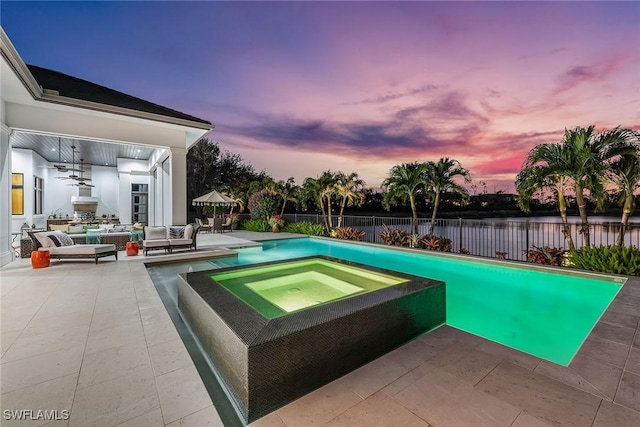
{"x":296,"y":285}
{"x":545,"y":313}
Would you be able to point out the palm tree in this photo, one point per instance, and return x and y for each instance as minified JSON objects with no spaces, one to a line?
{"x":349,"y":189}
{"x":580,"y":161}
{"x":236,"y":194}
{"x":543,"y":169}
{"x":327,"y":181}
{"x":287,"y":191}
{"x":589,"y":160}
{"x":405,"y":182}
{"x":311,"y":191}
{"x":625,"y":174}
{"x":440,"y":178}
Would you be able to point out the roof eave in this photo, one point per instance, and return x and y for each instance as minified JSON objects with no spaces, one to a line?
{"x":14,"y":60}
{"x":96,"y":106}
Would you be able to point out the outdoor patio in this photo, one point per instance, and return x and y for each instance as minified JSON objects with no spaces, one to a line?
{"x":97,"y":341}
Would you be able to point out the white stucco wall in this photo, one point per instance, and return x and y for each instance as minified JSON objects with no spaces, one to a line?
{"x":6,"y":254}
{"x":57,"y":194}
{"x":105,"y":179}
{"x":30,"y":165}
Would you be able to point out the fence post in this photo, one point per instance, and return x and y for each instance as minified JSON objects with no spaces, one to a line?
{"x":375,"y":235}
{"x":460,"y":233}
{"x":526,"y":238}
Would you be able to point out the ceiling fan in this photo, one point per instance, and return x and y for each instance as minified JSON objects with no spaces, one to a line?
{"x":73,"y":175}
{"x":81,"y":184}
{"x":61,"y":167}
{"x":81,"y":179}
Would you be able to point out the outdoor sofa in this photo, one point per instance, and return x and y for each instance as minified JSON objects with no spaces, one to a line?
{"x":118,"y":235}
{"x":170,"y":237}
{"x":61,"y":246}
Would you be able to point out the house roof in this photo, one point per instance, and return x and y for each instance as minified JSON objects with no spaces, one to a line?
{"x":73,"y":87}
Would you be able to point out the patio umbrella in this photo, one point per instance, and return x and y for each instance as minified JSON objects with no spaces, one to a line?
{"x":214,"y":199}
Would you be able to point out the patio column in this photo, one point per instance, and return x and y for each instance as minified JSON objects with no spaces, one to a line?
{"x":178,"y":194}
{"x":5,"y":194}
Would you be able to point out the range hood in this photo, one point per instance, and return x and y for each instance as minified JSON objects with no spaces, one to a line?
{"x":84,"y":204}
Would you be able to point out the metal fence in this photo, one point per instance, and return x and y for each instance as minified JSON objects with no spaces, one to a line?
{"x":486,"y":237}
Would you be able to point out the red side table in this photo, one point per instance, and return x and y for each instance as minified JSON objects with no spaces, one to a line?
{"x":132,"y":248}
{"x":40,"y":259}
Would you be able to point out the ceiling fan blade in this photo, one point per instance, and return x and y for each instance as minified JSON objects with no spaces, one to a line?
{"x":63,"y":168}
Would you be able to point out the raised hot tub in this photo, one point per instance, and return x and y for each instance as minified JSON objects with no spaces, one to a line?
{"x":279,"y":330}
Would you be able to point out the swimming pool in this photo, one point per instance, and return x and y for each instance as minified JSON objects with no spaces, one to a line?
{"x":543,"y":312}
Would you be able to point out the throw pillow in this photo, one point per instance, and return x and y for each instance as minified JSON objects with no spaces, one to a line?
{"x":136,"y":226}
{"x":76,"y":229}
{"x":55,"y":240}
{"x":44,"y":240}
{"x":155,"y":233}
{"x":188,"y":231}
{"x":62,"y":238}
{"x":176,"y":232}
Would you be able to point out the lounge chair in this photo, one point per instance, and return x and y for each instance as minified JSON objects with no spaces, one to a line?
{"x":62,"y":246}
{"x":163,"y":238}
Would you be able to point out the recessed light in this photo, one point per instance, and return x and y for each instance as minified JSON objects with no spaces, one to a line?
{"x":138,"y":150}
{"x":53,"y":149}
{"x":106,"y":164}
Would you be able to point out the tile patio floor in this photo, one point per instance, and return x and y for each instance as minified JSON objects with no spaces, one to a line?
{"x":97,"y":341}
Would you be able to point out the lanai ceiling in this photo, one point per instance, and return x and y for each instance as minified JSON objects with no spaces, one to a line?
{"x":93,"y":152}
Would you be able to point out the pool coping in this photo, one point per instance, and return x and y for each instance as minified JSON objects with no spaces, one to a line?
{"x":251,"y":326}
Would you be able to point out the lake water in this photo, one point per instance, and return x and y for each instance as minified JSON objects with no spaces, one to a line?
{"x":485,"y":237}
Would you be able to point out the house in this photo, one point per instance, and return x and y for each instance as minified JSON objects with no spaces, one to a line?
{"x":133,"y":152}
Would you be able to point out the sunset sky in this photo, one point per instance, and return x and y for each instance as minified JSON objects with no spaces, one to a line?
{"x":298,"y":88}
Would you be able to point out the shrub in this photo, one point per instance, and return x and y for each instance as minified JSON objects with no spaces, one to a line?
{"x":394,"y":237}
{"x":255,"y":225}
{"x":262,"y":205}
{"x":501,"y":255}
{"x":347,"y":233}
{"x":546,"y":255}
{"x":607,"y":259}
{"x":464,"y":251}
{"x":304,"y":227}
{"x":435,"y":243}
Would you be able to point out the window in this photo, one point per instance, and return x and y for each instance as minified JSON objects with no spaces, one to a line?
{"x":139,"y":203}
{"x":38,"y":198}
{"x":17,"y":194}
